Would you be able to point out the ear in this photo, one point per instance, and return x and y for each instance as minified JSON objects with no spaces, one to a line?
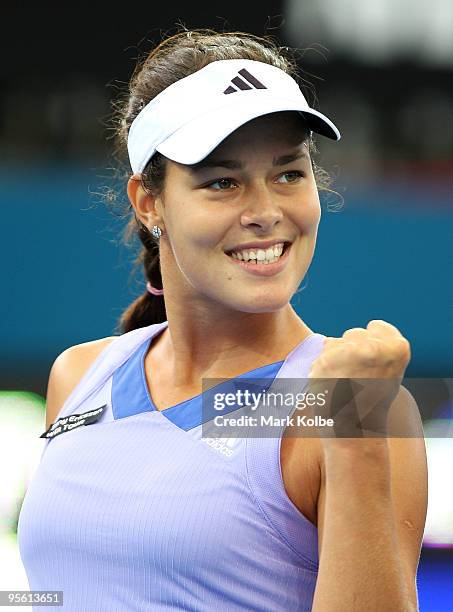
{"x":143,"y":202}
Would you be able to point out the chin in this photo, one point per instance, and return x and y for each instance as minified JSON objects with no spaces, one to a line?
{"x":262,"y":304}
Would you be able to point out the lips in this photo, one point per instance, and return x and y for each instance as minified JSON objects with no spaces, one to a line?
{"x":238,"y":249}
{"x":262,"y":269}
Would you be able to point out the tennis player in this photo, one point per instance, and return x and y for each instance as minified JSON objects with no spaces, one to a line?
{"x":132,"y":508}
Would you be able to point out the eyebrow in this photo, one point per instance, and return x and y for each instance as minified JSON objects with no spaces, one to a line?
{"x":232,"y":164}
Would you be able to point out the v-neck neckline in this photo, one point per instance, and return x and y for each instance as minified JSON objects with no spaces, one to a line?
{"x":177,"y":413}
{"x":143,"y":354}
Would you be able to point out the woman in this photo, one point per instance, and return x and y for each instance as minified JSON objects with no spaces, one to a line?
{"x":140,"y":510}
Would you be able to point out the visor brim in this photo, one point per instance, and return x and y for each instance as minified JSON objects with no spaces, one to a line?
{"x":195,"y":140}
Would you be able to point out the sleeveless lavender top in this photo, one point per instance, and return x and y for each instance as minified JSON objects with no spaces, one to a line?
{"x":137,"y":511}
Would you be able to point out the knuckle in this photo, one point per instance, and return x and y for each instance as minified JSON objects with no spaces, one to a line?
{"x":354,"y":331}
{"x":403,"y":347}
{"x":375,"y":322}
{"x":404,"y":343}
{"x":379,"y":322}
{"x":377,"y":325}
{"x":369,"y":352}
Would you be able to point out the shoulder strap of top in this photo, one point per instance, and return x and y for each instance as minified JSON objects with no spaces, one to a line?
{"x":264,"y":470}
{"x":110,"y":358}
{"x":305,"y":352}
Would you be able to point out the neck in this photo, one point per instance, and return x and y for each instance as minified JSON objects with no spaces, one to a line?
{"x":195,"y":345}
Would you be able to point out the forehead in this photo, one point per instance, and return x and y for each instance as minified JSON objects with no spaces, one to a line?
{"x":272,"y":135}
{"x":276,"y":137}
{"x":282,"y":129}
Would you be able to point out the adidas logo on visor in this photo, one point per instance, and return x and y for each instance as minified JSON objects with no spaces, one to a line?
{"x":250,"y":82}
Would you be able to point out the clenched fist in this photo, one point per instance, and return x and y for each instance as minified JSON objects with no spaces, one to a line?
{"x":379,"y":351}
{"x":360,"y":375}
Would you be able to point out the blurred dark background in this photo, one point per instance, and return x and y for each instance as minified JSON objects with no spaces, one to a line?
{"x":381,"y":70}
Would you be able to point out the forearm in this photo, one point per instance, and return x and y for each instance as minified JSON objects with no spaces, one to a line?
{"x":360,"y":567}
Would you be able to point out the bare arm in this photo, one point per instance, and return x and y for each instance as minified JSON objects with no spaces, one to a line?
{"x":371,"y":517}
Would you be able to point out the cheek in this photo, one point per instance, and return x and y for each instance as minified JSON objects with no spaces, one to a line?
{"x":195,"y":239}
{"x":308,"y":215}
{"x":191,"y":225}
{"x":202,"y":234}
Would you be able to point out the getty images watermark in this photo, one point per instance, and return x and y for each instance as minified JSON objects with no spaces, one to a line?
{"x":244,"y":398}
{"x":334,"y":407}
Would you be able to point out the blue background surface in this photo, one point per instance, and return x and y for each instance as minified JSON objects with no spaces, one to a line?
{"x":386,"y":255}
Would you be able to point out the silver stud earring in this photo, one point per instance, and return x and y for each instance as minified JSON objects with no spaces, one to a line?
{"x":156,"y":231}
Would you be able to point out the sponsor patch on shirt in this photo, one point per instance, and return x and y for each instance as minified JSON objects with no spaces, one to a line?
{"x":72,"y":421}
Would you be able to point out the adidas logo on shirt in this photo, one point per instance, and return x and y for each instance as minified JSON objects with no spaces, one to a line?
{"x":247,"y":82}
{"x":224,"y":446}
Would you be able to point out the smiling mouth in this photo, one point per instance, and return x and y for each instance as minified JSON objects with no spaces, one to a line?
{"x":255,"y":260}
{"x":261,"y":268}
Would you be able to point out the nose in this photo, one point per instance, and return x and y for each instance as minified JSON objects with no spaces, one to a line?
{"x":262,"y":210}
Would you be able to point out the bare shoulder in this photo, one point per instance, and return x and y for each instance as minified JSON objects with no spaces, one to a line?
{"x":67,"y":369}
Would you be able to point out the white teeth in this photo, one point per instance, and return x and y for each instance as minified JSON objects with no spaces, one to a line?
{"x":263,"y":256}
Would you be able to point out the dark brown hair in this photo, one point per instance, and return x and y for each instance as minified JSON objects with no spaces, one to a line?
{"x":175,"y":58}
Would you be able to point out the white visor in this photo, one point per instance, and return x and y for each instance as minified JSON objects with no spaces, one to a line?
{"x":190,"y":118}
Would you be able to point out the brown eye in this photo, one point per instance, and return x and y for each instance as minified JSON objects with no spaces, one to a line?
{"x":292,"y":176}
{"x":223,"y":184}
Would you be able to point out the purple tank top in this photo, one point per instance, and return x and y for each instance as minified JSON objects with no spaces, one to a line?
{"x":137,"y":511}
